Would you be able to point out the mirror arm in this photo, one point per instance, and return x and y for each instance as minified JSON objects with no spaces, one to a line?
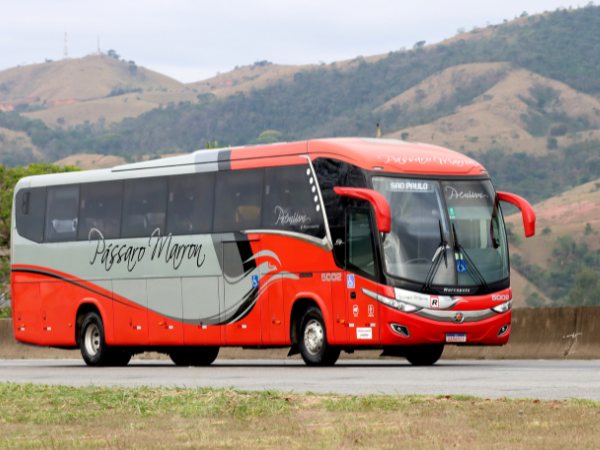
{"x":527,"y":212}
{"x":383,"y":215}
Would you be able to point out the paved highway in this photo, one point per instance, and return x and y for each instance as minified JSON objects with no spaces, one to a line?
{"x":540,"y":379}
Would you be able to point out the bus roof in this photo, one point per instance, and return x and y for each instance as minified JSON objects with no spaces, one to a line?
{"x":391,"y":155}
{"x":387,"y":155}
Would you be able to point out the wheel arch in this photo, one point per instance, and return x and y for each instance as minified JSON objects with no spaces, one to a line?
{"x":92,"y":305}
{"x":299,"y":306}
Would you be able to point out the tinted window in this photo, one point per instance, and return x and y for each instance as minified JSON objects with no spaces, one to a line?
{"x":238,"y":200}
{"x":61,"y":214}
{"x":144,"y":207}
{"x":330,"y":173}
{"x":30,"y":206}
{"x":100,"y":208}
{"x":360,"y":242}
{"x":191,"y":203}
{"x":291,"y":201}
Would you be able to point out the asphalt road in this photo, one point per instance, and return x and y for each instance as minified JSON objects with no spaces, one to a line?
{"x":539,"y":379}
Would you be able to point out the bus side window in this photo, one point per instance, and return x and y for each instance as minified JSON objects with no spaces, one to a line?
{"x":238,"y":200}
{"x":144,"y":207}
{"x":29,"y":210}
{"x":100,"y":209}
{"x":190,"y":207}
{"x":291,"y":201}
{"x":61,"y":214}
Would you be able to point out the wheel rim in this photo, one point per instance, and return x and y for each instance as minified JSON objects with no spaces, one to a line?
{"x":91,"y":339}
{"x":314,"y":337}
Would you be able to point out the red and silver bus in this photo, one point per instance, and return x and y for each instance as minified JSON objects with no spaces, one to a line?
{"x":321,"y":246}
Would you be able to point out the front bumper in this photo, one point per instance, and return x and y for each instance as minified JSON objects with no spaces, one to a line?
{"x":489,"y":330}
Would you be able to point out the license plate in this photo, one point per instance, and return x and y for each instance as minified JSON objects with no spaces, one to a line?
{"x":456,"y":337}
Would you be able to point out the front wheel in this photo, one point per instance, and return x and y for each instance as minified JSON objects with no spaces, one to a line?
{"x":194,"y":356}
{"x":93,"y":347}
{"x":424,"y":355}
{"x":314,"y":348}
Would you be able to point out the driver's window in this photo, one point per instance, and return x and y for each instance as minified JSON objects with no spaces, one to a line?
{"x":360,"y":242}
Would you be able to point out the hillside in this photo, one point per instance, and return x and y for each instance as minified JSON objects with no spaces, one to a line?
{"x":93,"y":88}
{"x":529,"y":86}
{"x":88,"y":161}
{"x":567,"y":244}
{"x":519,"y":111}
{"x":12,"y":142}
{"x":243,"y":79}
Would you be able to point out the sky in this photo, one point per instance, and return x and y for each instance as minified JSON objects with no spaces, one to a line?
{"x":191,"y":40}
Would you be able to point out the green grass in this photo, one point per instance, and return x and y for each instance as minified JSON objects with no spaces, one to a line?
{"x":37,"y":416}
{"x":5,"y":313}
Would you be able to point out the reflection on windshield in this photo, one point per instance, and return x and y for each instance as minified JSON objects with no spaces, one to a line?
{"x":477,"y":222}
{"x":417,"y":217}
{"x":443,"y":233}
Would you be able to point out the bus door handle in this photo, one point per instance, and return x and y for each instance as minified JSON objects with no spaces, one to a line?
{"x":353,"y":295}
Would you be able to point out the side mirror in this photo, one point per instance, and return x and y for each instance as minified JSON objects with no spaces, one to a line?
{"x":527,"y":212}
{"x":383,"y":215}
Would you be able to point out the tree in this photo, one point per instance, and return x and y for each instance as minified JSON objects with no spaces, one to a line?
{"x":8,"y":180}
{"x":113,"y":54}
{"x":269,"y":137}
{"x":586,"y":290}
{"x":132,"y":68}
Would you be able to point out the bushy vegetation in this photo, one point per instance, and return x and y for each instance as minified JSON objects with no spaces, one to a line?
{"x":570,"y":279}
{"x":540,"y":177}
{"x":8,"y":180}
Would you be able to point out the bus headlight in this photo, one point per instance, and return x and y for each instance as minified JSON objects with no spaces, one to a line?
{"x":392,"y":302}
{"x":503,"y":307}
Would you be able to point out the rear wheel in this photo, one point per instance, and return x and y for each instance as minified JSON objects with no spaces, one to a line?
{"x":314,"y":348}
{"x":94,"y":350}
{"x":194,"y":356}
{"x":424,"y":355}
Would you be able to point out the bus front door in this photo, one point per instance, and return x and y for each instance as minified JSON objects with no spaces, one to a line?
{"x":361,"y":309}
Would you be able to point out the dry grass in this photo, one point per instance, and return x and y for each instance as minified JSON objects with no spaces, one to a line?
{"x":59,"y":417}
{"x":73,"y":91}
{"x":495,"y":119}
{"x":246,"y":78}
{"x":440,"y":86}
{"x":91,"y":161}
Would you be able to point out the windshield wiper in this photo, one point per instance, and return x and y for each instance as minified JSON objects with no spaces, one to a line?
{"x":470,"y":266}
{"x":436,"y":260}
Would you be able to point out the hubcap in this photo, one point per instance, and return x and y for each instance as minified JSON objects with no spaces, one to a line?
{"x":314,"y":337}
{"x":91,"y":339}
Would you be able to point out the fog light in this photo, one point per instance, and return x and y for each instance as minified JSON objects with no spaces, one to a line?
{"x":503,"y":329}
{"x":401,"y":330}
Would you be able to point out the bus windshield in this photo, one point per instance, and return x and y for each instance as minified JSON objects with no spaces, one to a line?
{"x":444,"y":233}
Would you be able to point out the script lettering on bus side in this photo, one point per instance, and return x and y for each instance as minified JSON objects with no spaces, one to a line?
{"x":287,"y":217}
{"x":158,"y":248}
{"x":423,"y":160}
{"x":454,"y":194}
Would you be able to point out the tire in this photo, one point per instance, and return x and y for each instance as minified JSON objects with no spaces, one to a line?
{"x":93,"y":347}
{"x":313,"y":345}
{"x":424,"y":355}
{"x":119,"y":357}
{"x":194,"y":356}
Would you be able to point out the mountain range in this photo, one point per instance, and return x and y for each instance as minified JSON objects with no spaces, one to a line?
{"x":522,"y":97}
